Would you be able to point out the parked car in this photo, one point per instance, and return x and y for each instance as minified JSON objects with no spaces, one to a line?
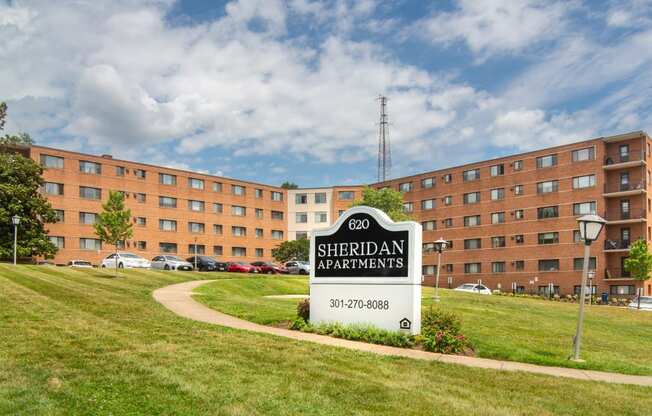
{"x":166,"y":262}
{"x":298,"y":267}
{"x":646,"y":303}
{"x":242,"y":267}
{"x":80,"y":263}
{"x":125,"y":260}
{"x":207,"y":264}
{"x":474,"y":288}
{"x":269,"y":268}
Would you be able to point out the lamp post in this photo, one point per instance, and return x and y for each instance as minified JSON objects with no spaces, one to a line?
{"x":440,"y":245}
{"x":15,"y":220}
{"x":195,"y":269}
{"x":590,"y":228}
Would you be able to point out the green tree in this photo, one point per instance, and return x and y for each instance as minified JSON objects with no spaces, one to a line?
{"x":114,"y":222}
{"x":12,"y":139}
{"x":387,"y":200}
{"x":289,"y":185}
{"x":292,"y":250}
{"x":639,"y":262}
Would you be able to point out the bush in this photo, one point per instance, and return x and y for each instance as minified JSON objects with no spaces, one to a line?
{"x":303,"y":309}
{"x":298,"y":324}
{"x":365,"y":333}
{"x":442,"y":332}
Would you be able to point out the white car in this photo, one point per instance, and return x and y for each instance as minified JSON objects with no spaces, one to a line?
{"x":125,"y":260}
{"x":80,"y":264}
{"x":646,"y":303}
{"x":474,"y":288}
{"x":298,"y":267}
{"x":171,"y":263}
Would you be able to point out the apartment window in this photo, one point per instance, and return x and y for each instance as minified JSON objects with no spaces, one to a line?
{"x":90,"y":244}
{"x":547,"y":187}
{"x":259,"y":233}
{"x":167,"y":225}
{"x":623,"y":290}
{"x":578,"y":263}
{"x":624,"y":181}
{"x":196,"y":227}
{"x":584,"y":208}
{"x":517,"y":165}
{"x":498,"y":242}
{"x":167,"y":179}
{"x":580,"y":182}
{"x":120,"y":171}
{"x":549,"y":265}
{"x":218,"y":250}
{"x":52,"y":188}
{"x":86,"y":192}
{"x":301,"y":199}
{"x":218,"y":229}
{"x":320,"y":198}
{"x":277,"y":196}
{"x":428,"y":270}
{"x":258,"y":193}
{"x":519,"y":265}
{"x":581,"y":155}
{"x":277,"y":234}
{"x":448,"y":222}
{"x":197,"y":206}
{"x":448,"y":200}
{"x":548,"y":212}
{"x":428,"y":248}
{"x":471,"y":175}
{"x":238,"y":251}
{"x":321,"y":217}
{"x":624,"y":209}
{"x":140,"y":173}
{"x":577,"y":237}
{"x":301,"y":217}
{"x":277,"y":215}
{"x":88,"y":218}
{"x":167,"y":202}
{"x":519,"y":190}
{"x":429,"y":225}
{"x":238,"y":190}
{"x":60,"y":215}
{"x":170,"y":248}
{"x":59,"y":242}
{"x":498,"y":267}
{"x":140,"y":197}
{"x":196,"y":183}
{"x":427,"y":204}
{"x":259,"y":213}
{"x":624,"y":152}
{"x":448,"y":178}
{"x":301,"y":235}
{"x":427,"y":183}
{"x":471,"y":198}
{"x":449,"y":268}
{"x":90,"y":167}
{"x":237,"y":231}
{"x":471,"y":268}
{"x":405,"y":187}
{"x":472,"y":243}
{"x":345,"y":195}
{"x":218,"y":208}
{"x":472,"y":221}
{"x":196,"y":248}
{"x":51,"y":162}
{"x":497,"y":217}
{"x":141,"y":221}
{"x":546,"y":161}
{"x":519,"y":239}
{"x":141,"y":245}
{"x":497,"y":170}
{"x":259,"y":252}
{"x":497,"y":194}
{"x":408,"y":207}
{"x":549,"y":238}
{"x":217,"y":187}
{"x":519,"y":214}
{"x":238,"y":211}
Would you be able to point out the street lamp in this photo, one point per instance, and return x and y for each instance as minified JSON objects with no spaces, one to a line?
{"x":15,"y":220}
{"x":590,"y":228}
{"x":440,"y":245}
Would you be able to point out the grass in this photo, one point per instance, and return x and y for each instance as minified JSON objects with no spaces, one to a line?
{"x":515,"y":329}
{"x":76,"y":342}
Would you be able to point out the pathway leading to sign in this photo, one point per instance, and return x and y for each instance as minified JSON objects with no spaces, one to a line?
{"x":178,"y":299}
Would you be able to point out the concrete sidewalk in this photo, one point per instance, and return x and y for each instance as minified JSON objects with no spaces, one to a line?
{"x":177,"y":298}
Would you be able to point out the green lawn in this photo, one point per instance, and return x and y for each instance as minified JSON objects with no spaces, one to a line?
{"x":516,"y":329}
{"x":76,"y":342}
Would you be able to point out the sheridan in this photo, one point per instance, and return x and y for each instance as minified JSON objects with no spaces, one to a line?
{"x":361,"y":249}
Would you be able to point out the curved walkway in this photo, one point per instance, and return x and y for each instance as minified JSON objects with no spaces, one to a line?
{"x":178,"y":299}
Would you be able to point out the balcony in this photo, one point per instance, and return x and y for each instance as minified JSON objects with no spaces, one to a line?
{"x":624,"y":189}
{"x":614,"y":273}
{"x":617,"y":245}
{"x":626,"y":217}
{"x":622,"y":161}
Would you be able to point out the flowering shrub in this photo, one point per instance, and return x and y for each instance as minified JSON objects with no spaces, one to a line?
{"x":442,"y":332}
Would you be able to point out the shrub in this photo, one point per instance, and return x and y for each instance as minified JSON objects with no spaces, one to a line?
{"x":298,"y":324}
{"x":358,"y":332}
{"x":303,"y":309}
{"x":441,"y":332}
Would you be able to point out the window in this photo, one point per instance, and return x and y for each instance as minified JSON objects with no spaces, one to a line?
{"x":471,"y":175}
{"x":167,"y":202}
{"x":51,"y":162}
{"x":59,"y":242}
{"x":428,"y":247}
{"x":405,"y":187}
{"x":623,"y":150}
{"x":301,"y":235}
{"x":277,"y":234}
{"x":320,"y":198}
{"x":218,"y":208}
{"x":547,"y":187}
{"x":427,"y":204}
{"x":449,"y":268}
{"x":448,"y":200}
{"x":301,"y":217}
{"x":472,"y":244}
{"x":238,"y":231}
{"x":497,"y":217}
{"x":140,"y":173}
{"x":52,"y":188}
{"x":577,"y":237}
{"x":448,"y":222}
{"x":238,"y":190}
{"x":259,"y":233}
{"x":498,"y":242}
{"x":197,"y":206}
{"x":321,"y":217}
{"x":259,"y":213}
{"x":581,"y":155}
{"x":167,"y":225}
{"x":624,"y":181}
{"x":120,"y":171}
{"x":277,"y":196}
{"x":90,"y":244}
{"x":141,"y":245}
{"x":498,"y":267}
{"x":167,"y":247}
{"x":519,"y":190}
{"x":549,"y":238}
{"x":517,"y":165}
{"x":580,"y":182}
{"x":546,"y":161}
{"x":448,"y":178}
{"x":259,"y":252}
{"x":218,"y":250}
{"x":471,"y":198}
{"x":622,"y":290}
{"x":429,"y":225}
{"x":545,"y":290}
{"x":497,"y":170}
{"x":472,"y":221}
{"x":548,"y":212}
{"x":218,"y":229}
{"x":472,"y":268}
{"x":196,"y":227}
{"x":277,"y":215}
{"x":167,"y":179}
{"x":519,"y":239}
{"x":428,"y":270}
{"x":195,"y":183}
{"x":238,"y":251}
{"x":497,"y":194}
{"x":578,"y":263}
{"x":238,"y":211}
{"x":427,"y":183}
{"x":301,"y":199}
{"x":86,"y":192}
{"x":88,"y":218}
{"x":550,"y":265}
{"x":60,"y":214}
{"x":408,"y":207}
{"x":217,"y":187}
{"x":90,"y":167}
{"x":584,"y":208}
{"x":258,"y":193}
{"x":519,"y":265}
{"x":141,"y":221}
{"x":345,"y":195}
{"x":140,"y":197}
{"x":519,"y":214}
{"x":200,"y":249}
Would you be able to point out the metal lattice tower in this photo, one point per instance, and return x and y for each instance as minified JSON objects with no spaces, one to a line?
{"x":384,"y":151}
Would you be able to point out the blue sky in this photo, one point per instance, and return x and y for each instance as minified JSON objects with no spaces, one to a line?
{"x":269,"y":90}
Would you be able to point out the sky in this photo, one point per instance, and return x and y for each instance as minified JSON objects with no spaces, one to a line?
{"x":271,"y":90}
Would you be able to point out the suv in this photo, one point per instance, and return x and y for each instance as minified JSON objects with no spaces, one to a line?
{"x":298,"y":267}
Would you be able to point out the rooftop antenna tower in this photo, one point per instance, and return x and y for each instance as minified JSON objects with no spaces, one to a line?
{"x":384,"y":151}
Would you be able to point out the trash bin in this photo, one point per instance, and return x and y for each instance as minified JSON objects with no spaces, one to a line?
{"x":605,"y":297}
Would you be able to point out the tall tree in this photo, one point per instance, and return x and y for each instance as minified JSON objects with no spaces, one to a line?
{"x":387,"y":200}
{"x":114,"y":222}
{"x":289,"y":185}
{"x":639,"y":262}
{"x":292,"y":250}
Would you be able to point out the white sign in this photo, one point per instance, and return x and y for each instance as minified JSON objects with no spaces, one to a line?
{"x":366,"y":269}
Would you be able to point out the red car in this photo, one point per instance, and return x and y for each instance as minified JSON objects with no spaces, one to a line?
{"x":269,"y":268}
{"x":242,"y":267}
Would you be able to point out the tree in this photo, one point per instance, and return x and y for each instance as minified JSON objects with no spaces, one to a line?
{"x":387,"y":200}
{"x":12,"y":139}
{"x":114,"y":222}
{"x":639,"y":262}
{"x":289,"y":185}
{"x":292,"y":250}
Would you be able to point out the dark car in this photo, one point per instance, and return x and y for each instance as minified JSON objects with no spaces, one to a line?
{"x":270,"y":268}
{"x":208,"y":264}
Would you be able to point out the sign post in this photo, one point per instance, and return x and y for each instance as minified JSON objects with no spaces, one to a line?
{"x":366,"y":269}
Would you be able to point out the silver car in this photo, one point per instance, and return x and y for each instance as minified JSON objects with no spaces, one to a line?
{"x":298,"y":267}
{"x":170,"y":263}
